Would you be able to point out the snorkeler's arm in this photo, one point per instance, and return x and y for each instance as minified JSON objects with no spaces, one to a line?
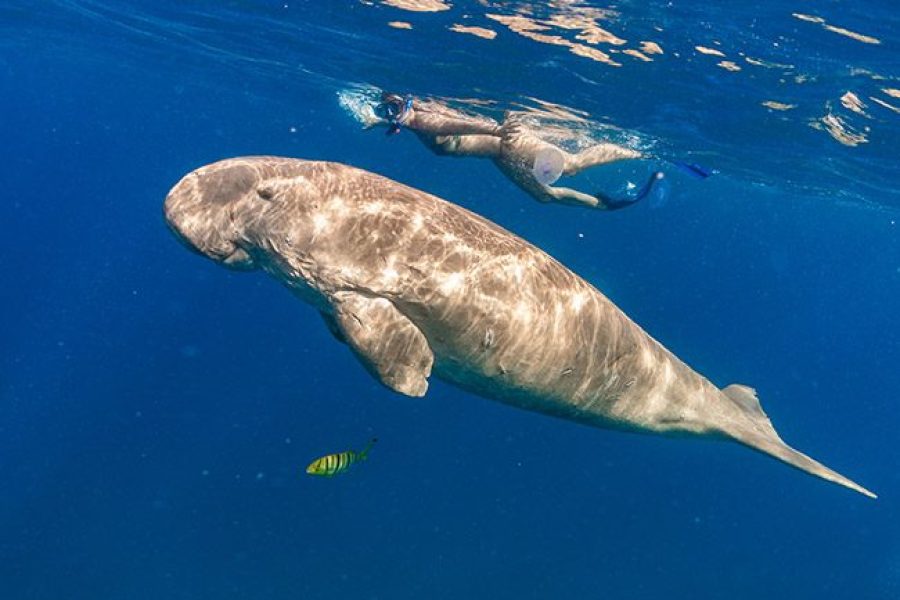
{"x":599,"y":154}
{"x":479,"y":146}
{"x":484,"y":146}
{"x":443,"y":125}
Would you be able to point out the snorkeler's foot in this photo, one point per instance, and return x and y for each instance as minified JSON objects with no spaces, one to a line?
{"x":610,"y":203}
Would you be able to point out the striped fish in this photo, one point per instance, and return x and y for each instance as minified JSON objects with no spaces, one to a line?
{"x":335,"y":464}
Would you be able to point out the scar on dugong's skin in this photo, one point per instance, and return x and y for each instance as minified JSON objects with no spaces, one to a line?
{"x":414,"y":284}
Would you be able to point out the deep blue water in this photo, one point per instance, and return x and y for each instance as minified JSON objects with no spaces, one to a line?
{"x":157,"y":411}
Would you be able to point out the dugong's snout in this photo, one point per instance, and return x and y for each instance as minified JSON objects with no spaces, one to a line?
{"x":204,"y":210}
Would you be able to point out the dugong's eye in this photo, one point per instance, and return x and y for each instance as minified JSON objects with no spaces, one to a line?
{"x":265,"y":192}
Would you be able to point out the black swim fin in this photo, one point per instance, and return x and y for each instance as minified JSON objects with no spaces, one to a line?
{"x":617,"y":203}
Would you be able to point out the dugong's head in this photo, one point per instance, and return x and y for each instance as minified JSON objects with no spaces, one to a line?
{"x":230,"y":211}
{"x":207,"y":210}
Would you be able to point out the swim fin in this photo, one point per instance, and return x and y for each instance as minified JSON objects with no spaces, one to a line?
{"x":617,"y":203}
{"x":694,"y":169}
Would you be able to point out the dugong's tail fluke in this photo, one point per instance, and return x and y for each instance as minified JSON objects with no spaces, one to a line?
{"x":760,"y":435}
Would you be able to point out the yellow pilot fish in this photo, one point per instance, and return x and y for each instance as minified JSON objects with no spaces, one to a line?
{"x":335,"y":464}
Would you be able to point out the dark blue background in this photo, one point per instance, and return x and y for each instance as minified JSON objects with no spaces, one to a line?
{"x":156,"y":411}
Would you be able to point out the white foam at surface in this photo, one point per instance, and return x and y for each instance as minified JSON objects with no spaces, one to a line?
{"x":360,"y":104}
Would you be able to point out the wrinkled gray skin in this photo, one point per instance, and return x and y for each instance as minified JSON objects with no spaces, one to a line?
{"x":416,"y":285}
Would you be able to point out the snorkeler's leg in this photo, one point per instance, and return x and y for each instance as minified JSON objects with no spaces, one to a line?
{"x":598,"y":155}
{"x":565,"y":195}
{"x":601,"y":201}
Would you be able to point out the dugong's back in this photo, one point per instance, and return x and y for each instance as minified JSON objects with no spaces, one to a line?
{"x":502,"y":317}
{"x":411,"y":282}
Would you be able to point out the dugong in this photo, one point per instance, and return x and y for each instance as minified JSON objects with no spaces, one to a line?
{"x":415,"y":285}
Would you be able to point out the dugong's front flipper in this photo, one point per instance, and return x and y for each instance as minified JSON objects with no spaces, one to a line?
{"x":333,"y":327}
{"x":388,"y":344}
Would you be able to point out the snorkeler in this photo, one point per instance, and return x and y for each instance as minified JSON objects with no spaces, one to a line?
{"x":530,"y":162}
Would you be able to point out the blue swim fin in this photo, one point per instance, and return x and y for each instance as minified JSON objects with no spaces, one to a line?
{"x":694,"y":169}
